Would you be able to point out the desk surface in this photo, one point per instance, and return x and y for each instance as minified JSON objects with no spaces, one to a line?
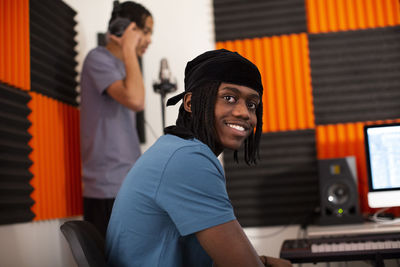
{"x":351,"y":229}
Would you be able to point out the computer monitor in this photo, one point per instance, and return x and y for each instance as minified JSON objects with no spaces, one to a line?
{"x":382,"y":144}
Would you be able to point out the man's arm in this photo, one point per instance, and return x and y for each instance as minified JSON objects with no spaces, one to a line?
{"x":129,"y":92}
{"x":228,"y":245}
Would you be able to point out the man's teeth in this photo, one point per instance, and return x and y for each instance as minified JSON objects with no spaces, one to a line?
{"x":237,"y":127}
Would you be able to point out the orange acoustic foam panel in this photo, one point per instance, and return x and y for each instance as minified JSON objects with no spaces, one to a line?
{"x":56,"y":158}
{"x":14,"y":43}
{"x":343,"y":15}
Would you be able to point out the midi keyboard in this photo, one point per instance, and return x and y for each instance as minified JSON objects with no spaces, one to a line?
{"x":342,"y":248}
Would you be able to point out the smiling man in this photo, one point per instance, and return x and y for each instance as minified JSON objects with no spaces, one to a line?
{"x":173,"y":208}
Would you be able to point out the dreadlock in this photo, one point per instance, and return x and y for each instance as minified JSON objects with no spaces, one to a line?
{"x":202,"y":105}
{"x":200,"y":122}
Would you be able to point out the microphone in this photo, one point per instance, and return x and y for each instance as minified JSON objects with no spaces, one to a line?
{"x":165,"y":83}
{"x":165,"y":72}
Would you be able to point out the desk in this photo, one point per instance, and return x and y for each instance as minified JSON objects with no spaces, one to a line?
{"x":366,"y":241}
{"x":351,"y":229}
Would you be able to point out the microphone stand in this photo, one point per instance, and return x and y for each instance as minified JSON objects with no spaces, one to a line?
{"x":163,"y":88}
{"x":163,"y":108}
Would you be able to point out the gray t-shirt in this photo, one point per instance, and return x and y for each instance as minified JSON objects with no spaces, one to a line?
{"x":109,"y":139}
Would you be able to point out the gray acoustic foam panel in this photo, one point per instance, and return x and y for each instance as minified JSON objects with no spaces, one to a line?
{"x":282,"y":188}
{"x":239,"y":19}
{"x":52,"y":50}
{"x":15,"y":188}
{"x":356,"y":75}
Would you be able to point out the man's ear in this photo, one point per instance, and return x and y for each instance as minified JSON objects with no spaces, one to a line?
{"x":187,"y":102}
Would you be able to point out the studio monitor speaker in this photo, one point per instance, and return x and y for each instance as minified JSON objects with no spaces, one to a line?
{"x":338,"y":191}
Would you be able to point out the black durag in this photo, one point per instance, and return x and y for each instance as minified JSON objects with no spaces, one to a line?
{"x":222,"y":66}
{"x":217,"y":65}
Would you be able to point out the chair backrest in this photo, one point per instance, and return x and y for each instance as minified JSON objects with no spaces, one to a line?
{"x":86,"y":243}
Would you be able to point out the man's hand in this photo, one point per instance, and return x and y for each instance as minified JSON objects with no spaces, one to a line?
{"x":130,"y":40}
{"x":275,"y":262}
{"x":129,"y":92}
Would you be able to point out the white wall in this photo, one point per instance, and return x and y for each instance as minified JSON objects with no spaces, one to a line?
{"x":34,"y":244}
{"x":182,"y":30}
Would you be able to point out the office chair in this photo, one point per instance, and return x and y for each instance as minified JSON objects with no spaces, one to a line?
{"x":86,"y":243}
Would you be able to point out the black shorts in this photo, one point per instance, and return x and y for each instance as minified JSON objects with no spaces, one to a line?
{"x":98,"y":212}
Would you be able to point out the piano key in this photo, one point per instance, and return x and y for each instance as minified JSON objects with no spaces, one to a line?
{"x":343,"y":248}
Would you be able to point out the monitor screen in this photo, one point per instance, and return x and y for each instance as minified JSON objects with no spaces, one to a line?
{"x":382,"y":144}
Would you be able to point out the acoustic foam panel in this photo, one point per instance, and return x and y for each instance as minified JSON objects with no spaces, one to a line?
{"x":15,"y":189}
{"x":342,"y":15}
{"x":56,"y":158}
{"x":52,"y":50}
{"x":356,"y":75}
{"x":283,"y":187}
{"x":14,"y":43}
{"x":237,"y":19}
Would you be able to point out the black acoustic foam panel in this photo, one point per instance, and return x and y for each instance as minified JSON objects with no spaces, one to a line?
{"x":15,"y":188}
{"x":356,"y":75}
{"x":282,"y":188}
{"x":52,"y":50}
{"x":238,"y":19}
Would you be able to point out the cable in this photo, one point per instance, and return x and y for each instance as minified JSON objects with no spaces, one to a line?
{"x":383,"y":220}
{"x":270,"y":235}
{"x":302,"y":232}
{"x":151,"y":129}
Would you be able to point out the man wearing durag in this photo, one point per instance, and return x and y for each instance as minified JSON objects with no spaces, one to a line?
{"x":173,"y":209}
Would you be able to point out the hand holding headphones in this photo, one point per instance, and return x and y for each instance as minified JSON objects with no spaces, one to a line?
{"x":130,"y":37}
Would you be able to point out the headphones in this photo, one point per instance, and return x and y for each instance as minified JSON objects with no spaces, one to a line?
{"x":119,"y":24}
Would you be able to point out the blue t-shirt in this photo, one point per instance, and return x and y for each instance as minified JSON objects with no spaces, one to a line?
{"x":109,"y":138}
{"x":175,"y":189}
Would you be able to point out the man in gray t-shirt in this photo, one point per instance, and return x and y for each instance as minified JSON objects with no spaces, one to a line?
{"x":112,"y":91}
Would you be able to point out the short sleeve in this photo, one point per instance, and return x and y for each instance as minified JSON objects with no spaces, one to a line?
{"x":102,"y":69}
{"x":193,"y":191}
